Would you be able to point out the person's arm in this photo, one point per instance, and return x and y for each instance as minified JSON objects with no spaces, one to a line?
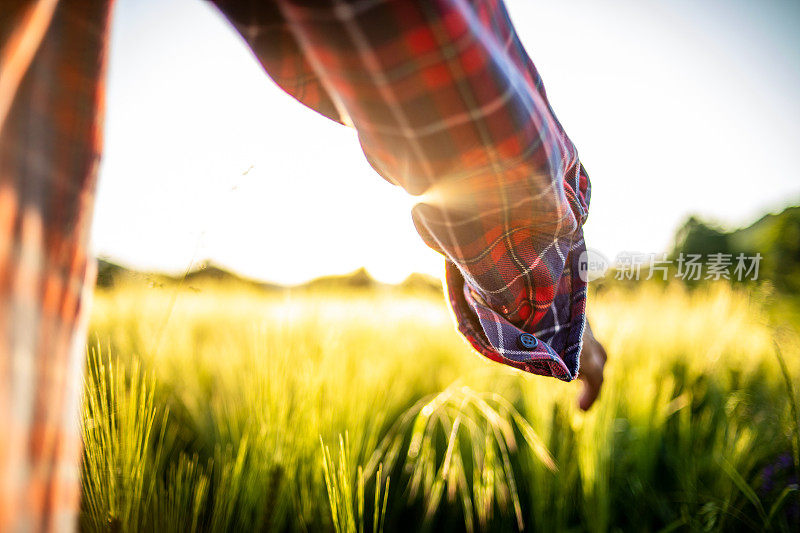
{"x":448,"y":105}
{"x":52,"y":72}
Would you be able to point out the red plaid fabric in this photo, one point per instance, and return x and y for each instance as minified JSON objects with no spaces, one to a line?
{"x":51,"y":72}
{"x":447,"y":105}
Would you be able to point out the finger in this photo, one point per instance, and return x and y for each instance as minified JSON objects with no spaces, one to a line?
{"x":592,"y":374}
{"x":591,"y":390}
{"x":602,"y":353}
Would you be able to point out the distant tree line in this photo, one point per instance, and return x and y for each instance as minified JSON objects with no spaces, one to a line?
{"x":775,"y":236}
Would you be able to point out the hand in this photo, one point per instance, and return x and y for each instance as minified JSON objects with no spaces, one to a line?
{"x":593,"y":360}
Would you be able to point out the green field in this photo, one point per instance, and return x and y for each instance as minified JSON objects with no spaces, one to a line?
{"x":228,"y":409}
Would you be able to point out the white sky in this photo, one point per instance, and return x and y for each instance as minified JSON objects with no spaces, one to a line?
{"x":676,"y":107}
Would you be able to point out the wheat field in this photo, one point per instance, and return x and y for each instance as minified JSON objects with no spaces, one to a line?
{"x":226,"y":409}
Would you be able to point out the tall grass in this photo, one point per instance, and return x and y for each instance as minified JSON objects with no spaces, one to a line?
{"x":347,"y":505}
{"x":218,"y":426}
{"x":119,"y":478}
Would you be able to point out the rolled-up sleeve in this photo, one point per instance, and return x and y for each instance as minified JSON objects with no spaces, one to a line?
{"x":448,"y":105}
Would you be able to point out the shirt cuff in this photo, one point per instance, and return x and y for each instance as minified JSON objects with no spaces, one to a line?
{"x":550,"y":347}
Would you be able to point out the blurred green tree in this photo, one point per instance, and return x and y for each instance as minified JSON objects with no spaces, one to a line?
{"x":775,"y":236}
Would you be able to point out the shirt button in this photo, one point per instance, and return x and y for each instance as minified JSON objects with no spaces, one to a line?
{"x":527,"y":341}
{"x":524,"y":311}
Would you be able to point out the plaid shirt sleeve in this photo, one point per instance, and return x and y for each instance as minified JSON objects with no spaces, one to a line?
{"x":52,"y":58}
{"x":448,"y":105}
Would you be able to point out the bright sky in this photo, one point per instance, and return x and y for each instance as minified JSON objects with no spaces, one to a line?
{"x":676,"y":107}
